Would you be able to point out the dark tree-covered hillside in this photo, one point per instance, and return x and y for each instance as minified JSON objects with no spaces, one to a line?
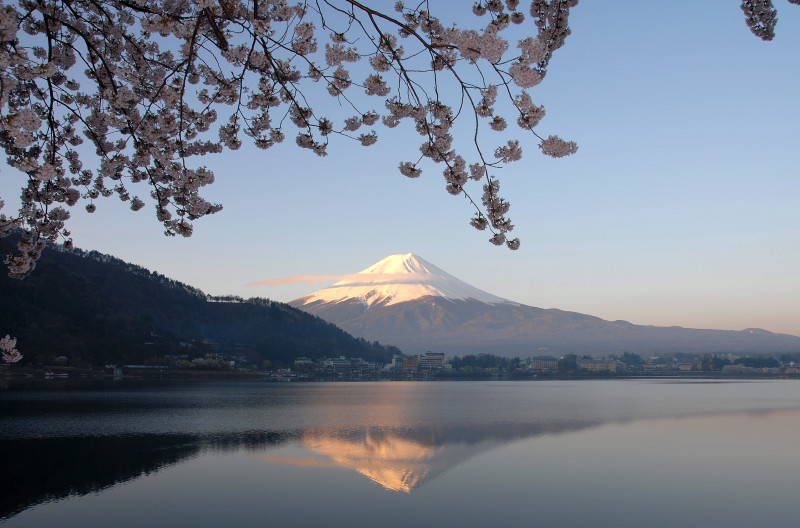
{"x":96,"y":309}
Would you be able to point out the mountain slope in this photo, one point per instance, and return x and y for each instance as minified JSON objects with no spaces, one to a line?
{"x":103,"y":310}
{"x":398,"y":279}
{"x":394,"y":308}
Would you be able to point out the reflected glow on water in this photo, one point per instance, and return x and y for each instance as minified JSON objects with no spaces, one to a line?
{"x":396,"y":463}
{"x":604,"y":453}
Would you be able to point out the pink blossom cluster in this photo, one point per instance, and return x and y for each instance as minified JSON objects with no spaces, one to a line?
{"x":111,"y":98}
{"x":556,"y":147}
{"x":8,"y":350}
{"x":761,"y":17}
{"x":101,"y":99}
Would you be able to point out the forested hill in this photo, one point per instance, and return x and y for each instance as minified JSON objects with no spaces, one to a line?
{"x":96,"y":309}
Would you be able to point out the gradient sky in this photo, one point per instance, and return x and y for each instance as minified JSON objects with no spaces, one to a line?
{"x":680,"y":208}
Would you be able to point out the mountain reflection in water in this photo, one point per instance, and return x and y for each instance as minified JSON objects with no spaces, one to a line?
{"x":59,"y":444}
{"x":402,"y":459}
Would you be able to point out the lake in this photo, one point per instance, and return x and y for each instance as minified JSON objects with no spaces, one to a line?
{"x":599,"y":453}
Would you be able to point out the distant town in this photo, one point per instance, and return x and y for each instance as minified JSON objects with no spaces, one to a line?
{"x":437,"y":366}
{"x":434,"y":366}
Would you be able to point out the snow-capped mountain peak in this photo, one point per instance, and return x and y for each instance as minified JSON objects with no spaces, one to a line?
{"x":408,"y":302}
{"x":404,"y":264}
{"x":396,"y":279}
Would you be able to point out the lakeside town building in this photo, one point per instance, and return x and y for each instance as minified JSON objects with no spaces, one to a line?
{"x":597,"y":365}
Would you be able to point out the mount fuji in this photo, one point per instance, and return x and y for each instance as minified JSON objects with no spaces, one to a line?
{"x":405,"y":301}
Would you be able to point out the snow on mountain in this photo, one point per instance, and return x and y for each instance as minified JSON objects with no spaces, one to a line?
{"x":398,"y":279}
{"x":408,"y":302}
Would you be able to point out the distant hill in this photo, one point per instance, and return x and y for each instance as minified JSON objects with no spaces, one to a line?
{"x":97,"y":309}
{"x":406,"y":301}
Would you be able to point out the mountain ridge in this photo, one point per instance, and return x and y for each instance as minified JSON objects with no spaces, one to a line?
{"x":467,"y":324}
{"x":96,"y":308}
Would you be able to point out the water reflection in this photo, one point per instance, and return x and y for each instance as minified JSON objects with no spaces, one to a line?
{"x":398,"y":459}
{"x":394,"y":462}
{"x":399,"y":436}
{"x":402,"y":459}
{"x":35,"y":471}
{"x":48,"y":469}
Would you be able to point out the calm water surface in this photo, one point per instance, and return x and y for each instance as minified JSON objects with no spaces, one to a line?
{"x":548,"y":453}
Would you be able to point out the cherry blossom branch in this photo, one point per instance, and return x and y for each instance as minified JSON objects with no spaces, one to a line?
{"x":158,"y":74}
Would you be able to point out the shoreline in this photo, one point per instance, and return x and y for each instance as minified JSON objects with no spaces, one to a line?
{"x":36,"y":379}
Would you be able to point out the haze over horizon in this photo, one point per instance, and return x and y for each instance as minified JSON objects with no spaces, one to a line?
{"x":679,"y":208}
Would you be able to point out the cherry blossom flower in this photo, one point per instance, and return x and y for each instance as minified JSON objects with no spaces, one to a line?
{"x":761,"y":17}
{"x":524,"y":76}
{"x":410,"y":170}
{"x":510,"y":152}
{"x":498,"y":239}
{"x":8,"y":350}
{"x":497,"y":123}
{"x":98,"y":99}
{"x":149,"y":105}
{"x":368,"y":139}
{"x":556,"y":147}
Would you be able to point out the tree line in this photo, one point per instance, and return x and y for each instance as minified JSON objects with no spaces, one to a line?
{"x":95,"y":309}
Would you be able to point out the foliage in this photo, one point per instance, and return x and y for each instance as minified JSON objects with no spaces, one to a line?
{"x":96,"y":309}
{"x":634,"y":360}
{"x":788,"y":358}
{"x":145,"y":81}
{"x":761,"y":17}
{"x":758,"y":362}
{"x":483,"y":362}
{"x":713,"y":362}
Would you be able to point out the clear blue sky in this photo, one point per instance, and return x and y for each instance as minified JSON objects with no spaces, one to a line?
{"x":680,"y":208}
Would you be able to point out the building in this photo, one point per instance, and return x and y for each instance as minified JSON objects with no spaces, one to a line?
{"x":410,"y":363}
{"x":543,"y":365}
{"x":340,"y":364}
{"x":397,"y":362}
{"x":597,"y":365}
{"x":432,"y":361}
